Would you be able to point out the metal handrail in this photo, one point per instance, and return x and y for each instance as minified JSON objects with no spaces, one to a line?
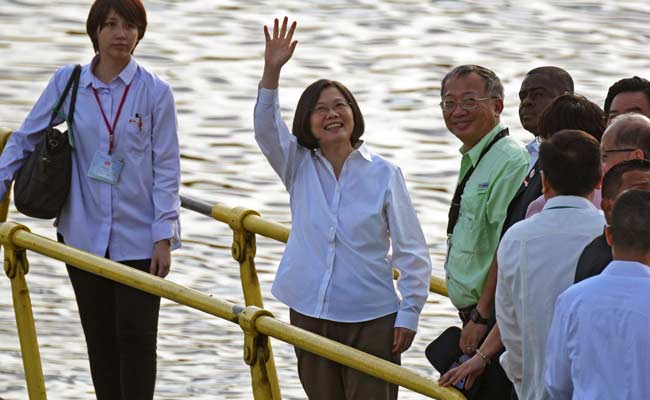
{"x":255,"y":224}
{"x":253,"y":320}
{"x":258,"y":324}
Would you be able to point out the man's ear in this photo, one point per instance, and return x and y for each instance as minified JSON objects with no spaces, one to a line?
{"x":608,"y":236}
{"x":498,"y":107}
{"x":637,"y":155}
{"x":606,"y":205}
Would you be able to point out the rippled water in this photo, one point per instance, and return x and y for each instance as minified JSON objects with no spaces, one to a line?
{"x":391,"y":54}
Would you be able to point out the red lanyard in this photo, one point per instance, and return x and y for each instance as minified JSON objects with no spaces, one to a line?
{"x":110,"y":128}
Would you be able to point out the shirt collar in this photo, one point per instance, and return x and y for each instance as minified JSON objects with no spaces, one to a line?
{"x":360,"y":147}
{"x":363,"y":150}
{"x":533,"y":147}
{"x":569,"y":202}
{"x":88,"y":78}
{"x":475,"y":152}
{"x":627,"y":268}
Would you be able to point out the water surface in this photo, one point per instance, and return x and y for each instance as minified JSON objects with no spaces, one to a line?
{"x":391,"y":54}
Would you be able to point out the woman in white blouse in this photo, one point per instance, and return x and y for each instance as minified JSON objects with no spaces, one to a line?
{"x":349,"y":207}
{"x":125,"y":119}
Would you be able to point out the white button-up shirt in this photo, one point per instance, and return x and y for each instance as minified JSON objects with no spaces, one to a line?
{"x":537,"y":260}
{"x":143,"y":207}
{"x":599,"y":343}
{"x":336,"y":264}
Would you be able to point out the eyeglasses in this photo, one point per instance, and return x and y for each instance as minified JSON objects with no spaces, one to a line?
{"x":466,"y":104}
{"x":604,"y":153}
{"x":338,"y":107}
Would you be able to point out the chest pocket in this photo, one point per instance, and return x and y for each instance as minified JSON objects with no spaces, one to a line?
{"x":138,"y":134}
{"x":472,"y":221}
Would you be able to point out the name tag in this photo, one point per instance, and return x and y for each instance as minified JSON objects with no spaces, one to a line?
{"x":104,"y":168}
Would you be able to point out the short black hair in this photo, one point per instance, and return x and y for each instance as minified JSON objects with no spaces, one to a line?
{"x":614,"y":177}
{"x":634,"y":84}
{"x":570,"y":160}
{"x":630,"y":225}
{"x":307,"y":102}
{"x":132,"y":11}
{"x":493,"y":85}
{"x":635,"y":133}
{"x":561,"y":77}
{"x":572,"y":111}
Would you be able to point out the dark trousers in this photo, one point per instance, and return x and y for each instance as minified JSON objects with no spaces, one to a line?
{"x":120,"y":324}
{"x":493,"y":383}
{"x":327,"y":380}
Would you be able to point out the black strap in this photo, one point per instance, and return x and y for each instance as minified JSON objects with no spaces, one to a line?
{"x":454,"y":209}
{"x":74,"y":78}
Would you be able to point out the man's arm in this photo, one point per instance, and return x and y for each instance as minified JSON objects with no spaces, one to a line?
{"x":506,"y":184}
{"x":473,"y":333}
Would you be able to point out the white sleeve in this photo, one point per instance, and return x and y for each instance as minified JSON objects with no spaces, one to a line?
{"x":23,"y":141}
{"x":273,"y":136}
{"x":410,"y":253}
{"x":166,"y":168}
{"x":509,"y":322}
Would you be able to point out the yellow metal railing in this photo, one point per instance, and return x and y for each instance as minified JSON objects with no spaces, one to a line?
{"x":258,"y":324}
{"x":251,"y":221}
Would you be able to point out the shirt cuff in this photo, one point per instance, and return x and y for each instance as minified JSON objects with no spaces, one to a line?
{"x":167,"y":230}
{"x":267,"y":96}
{"x":407,"y":319}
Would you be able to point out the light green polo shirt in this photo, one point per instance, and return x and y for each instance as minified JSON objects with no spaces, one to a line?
{"x":483,"y":208}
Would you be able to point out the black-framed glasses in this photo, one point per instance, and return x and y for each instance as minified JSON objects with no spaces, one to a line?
{"x":338,"y":106}
{"x":604,"y":153}
{"x":467,"y":104}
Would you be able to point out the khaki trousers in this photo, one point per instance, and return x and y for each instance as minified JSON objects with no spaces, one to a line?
{"x":323,"y":379}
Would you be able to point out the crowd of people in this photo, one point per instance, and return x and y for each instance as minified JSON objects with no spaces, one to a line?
{"x":548,"y":244}
{"x":529,"y":240}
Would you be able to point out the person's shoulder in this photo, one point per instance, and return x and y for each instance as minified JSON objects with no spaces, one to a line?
{"x":519,"y":231}
{"x":588,"y":290}
{"x":378,"y":159}
{"x":64,"y":72}
{"x":379,"y":166}
{"x":513,"y":150}
{"x":152,"y":80}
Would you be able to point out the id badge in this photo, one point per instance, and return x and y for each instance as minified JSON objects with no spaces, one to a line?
{"x":105,"y":168}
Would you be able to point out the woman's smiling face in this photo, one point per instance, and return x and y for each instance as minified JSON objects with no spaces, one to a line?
{"x":331,"y":120}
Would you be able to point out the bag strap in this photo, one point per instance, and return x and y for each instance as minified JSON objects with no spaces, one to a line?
{"x":454,"y":209}
{"x":74,"y":78}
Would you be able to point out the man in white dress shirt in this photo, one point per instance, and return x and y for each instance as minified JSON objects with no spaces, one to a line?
{"x":537,"y":257}
{"x":599,"y":339}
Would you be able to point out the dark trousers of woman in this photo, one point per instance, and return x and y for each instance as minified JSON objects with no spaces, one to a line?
{"x":323,"y":379}
{"x":121,"y":325}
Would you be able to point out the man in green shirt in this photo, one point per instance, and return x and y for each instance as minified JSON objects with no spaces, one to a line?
{"x":472,"y":101}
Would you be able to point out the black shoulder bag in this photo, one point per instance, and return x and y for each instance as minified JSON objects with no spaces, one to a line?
{"x":43,"y":182}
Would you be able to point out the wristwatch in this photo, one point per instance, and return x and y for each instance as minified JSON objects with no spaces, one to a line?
{"x":476,"y":318}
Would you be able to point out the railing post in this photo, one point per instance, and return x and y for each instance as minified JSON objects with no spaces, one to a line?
{"x":16,"y":267}
{"x":257,"y":351}
{"x":263,"y":372}
{"x":4,"y":203}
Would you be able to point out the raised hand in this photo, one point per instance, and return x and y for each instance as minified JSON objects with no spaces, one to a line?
{"x":279,"y":49}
